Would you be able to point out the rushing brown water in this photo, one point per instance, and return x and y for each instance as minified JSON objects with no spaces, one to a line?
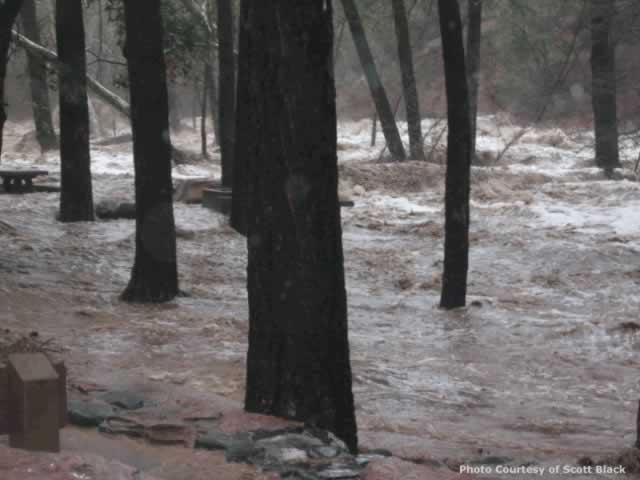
{"x":542,"y":366}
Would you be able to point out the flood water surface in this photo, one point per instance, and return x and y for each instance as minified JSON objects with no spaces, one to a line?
{"x":541,"y":366}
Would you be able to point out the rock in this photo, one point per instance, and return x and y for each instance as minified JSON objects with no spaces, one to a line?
{"x":216,"y":440}
{"x":244,"y":452}
{"x":113,"y":210}
{"x":122,"y":426}
{"x":365,"y":458}
{"x":170,"y":434}
{"x":324,"y":452}
{"x":328,"y":438}
{"x":89,"y":414}
{"x":291,"y":472}
{"x":191,"y":190}
{"x":123,"y":399}
{"x":294,"y":440}
{"x":285,"y":455}
{"x":340,"y":472}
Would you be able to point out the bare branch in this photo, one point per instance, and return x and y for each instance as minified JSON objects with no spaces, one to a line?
{"x":96,"y":87}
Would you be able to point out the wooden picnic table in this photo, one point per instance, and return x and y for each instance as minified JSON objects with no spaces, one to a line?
{"x":20,"y":180}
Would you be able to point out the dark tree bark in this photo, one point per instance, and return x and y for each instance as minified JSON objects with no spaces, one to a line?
{"x":456,"y":244}
{"x":474,"y":38}
{"x":603,"y":71}
{"x":203,"y":115}
{"x":174,"y":109}
{"x":8,"y":12}
{"x":247,"y":40}
{"x":99,"y":66}
{"x":45,"y":134}
{"x":637,"y":444}
{"x":155,"y":274}
{"x":409,"y":90}
{"x":210,"y":79}
{"x":374,"y":127}
{"x":76,"y":197}
{"x":378,"y":93}
{"x":298,"y":363}
{"x":227,"y":90}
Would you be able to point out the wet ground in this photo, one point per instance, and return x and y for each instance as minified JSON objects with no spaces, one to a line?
{"x":542,"y":366}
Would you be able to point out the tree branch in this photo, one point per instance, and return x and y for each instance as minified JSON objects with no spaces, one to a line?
{"x":96,"y":87}
{"x":200,"y":14}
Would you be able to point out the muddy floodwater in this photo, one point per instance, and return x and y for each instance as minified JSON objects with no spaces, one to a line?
{"x":541,"y":366}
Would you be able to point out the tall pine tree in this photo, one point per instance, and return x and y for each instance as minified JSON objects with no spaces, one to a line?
{"x":456,"y":244}
{"x":603,"y":72}
{"x":409,"y":89}
{"x":9,"y":10}
{"x":76,"y":194}
{"x":155,"y":273}
{"x":37,"y":68}
{"x":298,"y":363}
{"x":227,"y":89}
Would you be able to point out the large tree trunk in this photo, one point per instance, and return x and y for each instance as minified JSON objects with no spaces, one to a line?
{"x":227,"y":89}
{"x":245,"y":120}
{"x":378,"y":93}
{"x":409,"y":89}
{"x":603,"y":71}
{"x":99,"y":66}
{"x":474,"y":37}
{"x":298,"y":362}
{"x":210,"y":80}
{"x":203,"y":115}
{"x":456,"y":244}
{"x":8,"y":12}
{"x":155,"y":274}
{"x":76,"y":197}
{"x":174,"y":107}
{"x":45,"y":133}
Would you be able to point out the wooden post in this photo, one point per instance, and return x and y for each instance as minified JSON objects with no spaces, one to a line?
{"x":34,"y":403}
